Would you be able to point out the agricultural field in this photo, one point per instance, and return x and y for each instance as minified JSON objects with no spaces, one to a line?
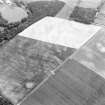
{"x":36,"y":72}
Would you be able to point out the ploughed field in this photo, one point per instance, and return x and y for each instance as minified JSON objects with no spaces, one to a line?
{"x":25,"y":63}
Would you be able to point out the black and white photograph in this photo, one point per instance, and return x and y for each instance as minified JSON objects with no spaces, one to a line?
{"x":52,"y":52}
